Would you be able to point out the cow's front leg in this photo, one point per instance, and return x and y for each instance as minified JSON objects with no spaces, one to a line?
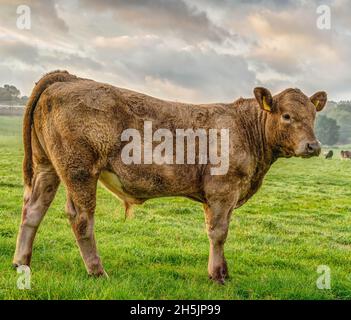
{"x":217,"y":216}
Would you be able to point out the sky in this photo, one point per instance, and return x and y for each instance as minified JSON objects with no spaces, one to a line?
{"x":185,"y":50}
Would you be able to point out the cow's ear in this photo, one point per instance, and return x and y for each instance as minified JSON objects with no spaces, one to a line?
{"x":319,"y":99}
{"x":264,"y":99}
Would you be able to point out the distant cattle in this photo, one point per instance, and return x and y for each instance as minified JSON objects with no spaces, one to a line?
{"x":345,"y":154}
{"x":73,"y":132}
{"x":329,"y":154}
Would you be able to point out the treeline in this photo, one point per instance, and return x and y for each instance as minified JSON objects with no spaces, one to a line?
{"x":11,"y":110}
{"x":10,"y":95}
{"x":334,"y":123}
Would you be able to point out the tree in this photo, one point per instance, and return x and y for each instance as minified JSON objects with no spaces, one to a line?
{"x":327,"y":130}
{"x":10,"y":95}
{"x":12,"y":90}
{"x":341,"y":112}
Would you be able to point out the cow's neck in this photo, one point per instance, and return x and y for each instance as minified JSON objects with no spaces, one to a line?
{"x":271,"y":150}
{"x":253,"y":124}
{"x":255,"y":140}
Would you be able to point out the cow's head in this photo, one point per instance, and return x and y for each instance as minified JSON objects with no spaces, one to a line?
{"x":290,"y":121}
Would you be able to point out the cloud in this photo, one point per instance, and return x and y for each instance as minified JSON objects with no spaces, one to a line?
{"x":166,"y":89}
{"x":60,"y":61}
{"x":44,"y":15}
{"x":201,"y":69}
{"x":14,"y":50}
{"x":196,"y":50}
{"x":171,"y":17}
{"x":287,"y":49}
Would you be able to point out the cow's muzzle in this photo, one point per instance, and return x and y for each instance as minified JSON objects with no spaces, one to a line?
{"x":312,"y":149}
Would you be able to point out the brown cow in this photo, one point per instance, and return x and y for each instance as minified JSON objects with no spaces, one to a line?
{"x":72,"y":133}
{"x":345,"y":154}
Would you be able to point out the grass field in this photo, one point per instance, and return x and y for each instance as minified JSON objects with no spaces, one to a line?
{"x":300,"y":219}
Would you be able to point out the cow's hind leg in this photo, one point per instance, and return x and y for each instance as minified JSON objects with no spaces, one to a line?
{"x":37,"y":200}
{"x":80,"y":208}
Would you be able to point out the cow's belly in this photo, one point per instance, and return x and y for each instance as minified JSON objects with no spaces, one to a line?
{"x":136,"y":186}
{"x":112,"y":183}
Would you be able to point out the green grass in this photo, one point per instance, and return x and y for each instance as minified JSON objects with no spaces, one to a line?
{"x":10,"y":126}
{"x":300,"y":219}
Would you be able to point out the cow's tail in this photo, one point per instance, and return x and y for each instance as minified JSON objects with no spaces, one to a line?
{"x":40,"y":86}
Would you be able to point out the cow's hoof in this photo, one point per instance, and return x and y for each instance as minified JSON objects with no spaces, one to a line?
{"x":220,"y":274}
{"x":220,"y":281}
{"x":99,"y":274}
{"x":16,"y":265}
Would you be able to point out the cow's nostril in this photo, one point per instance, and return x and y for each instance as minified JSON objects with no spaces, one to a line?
{"x":313,"y":148}
{"x":310,"y":148}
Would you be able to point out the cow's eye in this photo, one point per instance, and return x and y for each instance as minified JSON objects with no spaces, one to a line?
{"x":286,"y":117}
